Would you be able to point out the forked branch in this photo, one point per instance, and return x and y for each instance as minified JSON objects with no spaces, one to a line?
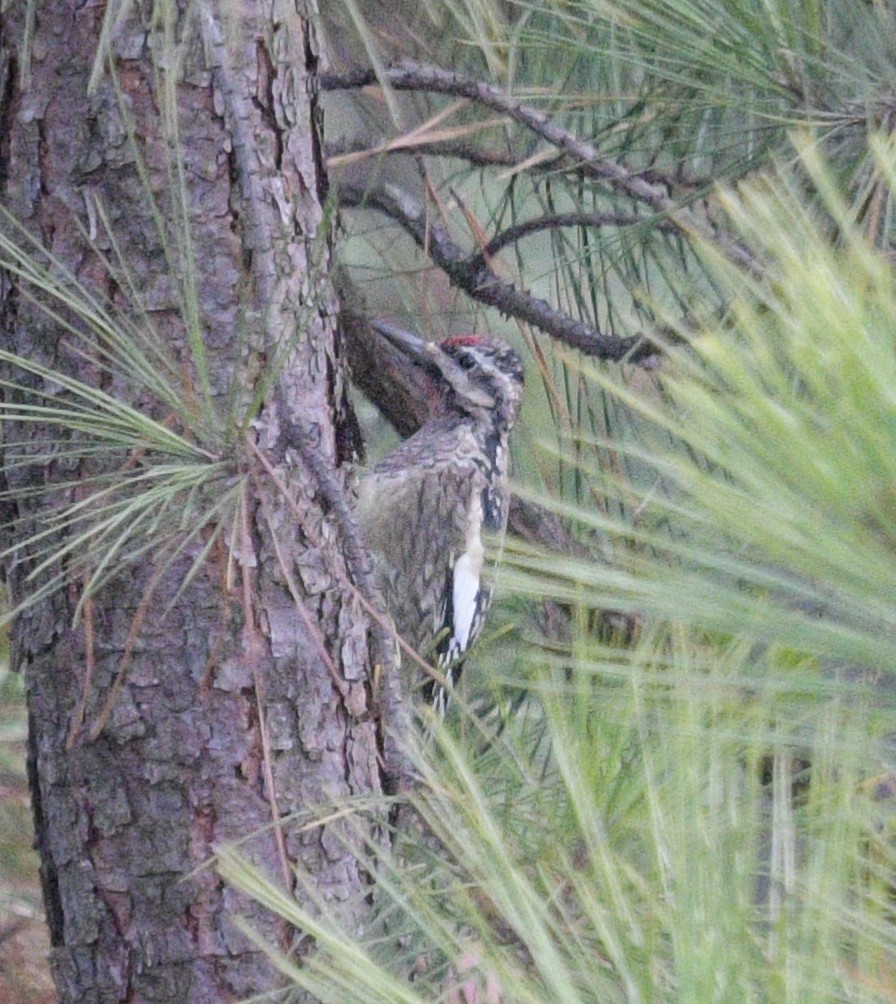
{"x":474,"y":276}
{"x":413,"y":76}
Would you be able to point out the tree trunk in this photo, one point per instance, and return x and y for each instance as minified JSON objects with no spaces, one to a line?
{"x":155,"y":738}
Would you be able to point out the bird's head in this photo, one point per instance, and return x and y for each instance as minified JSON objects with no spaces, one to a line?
{"x":480,"y":373}
{"x":471,"y":374}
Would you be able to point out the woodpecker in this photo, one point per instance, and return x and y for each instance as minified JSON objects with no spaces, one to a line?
{"x":432,"y":510}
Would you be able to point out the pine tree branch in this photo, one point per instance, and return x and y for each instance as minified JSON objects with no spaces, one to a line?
{"x":412,"y":76}
{"x":557,"y":221}
{"x":472,"y":154}
{"x":513,"y":161}
{"x":472,"y":274}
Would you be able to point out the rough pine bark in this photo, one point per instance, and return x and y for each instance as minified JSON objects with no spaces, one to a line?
{"x":249,"y":699}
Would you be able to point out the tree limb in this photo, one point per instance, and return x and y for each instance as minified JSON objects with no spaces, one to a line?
{"x":546,"y":163}
{"x":412,"y":76}
{"x":473,"y":275}
{"x":469,"y":152}
{"x":556,"y":221}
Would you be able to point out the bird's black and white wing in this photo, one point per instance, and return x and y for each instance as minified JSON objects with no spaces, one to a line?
{"x":432,"y":526}
{"x":466,"y":599}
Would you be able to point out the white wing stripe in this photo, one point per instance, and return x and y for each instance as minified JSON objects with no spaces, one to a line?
{"x":465,"y":597}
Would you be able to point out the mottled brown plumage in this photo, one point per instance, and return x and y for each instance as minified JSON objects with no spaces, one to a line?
{"x":429,"y":512}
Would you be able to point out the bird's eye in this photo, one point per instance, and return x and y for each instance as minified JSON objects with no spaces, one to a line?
{"x":466,"y":361}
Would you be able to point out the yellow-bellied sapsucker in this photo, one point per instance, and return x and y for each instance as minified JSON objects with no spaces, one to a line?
{"x":429,"y":511}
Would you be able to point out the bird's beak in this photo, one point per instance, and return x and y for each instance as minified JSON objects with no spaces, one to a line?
{"x":422,"y":354}
{"x":430,"y":357}
{"x":406,"y":343}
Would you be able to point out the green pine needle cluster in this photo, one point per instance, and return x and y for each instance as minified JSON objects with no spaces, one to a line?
{"x":132,"y":466}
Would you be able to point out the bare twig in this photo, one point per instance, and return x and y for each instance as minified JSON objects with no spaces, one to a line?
{"x":473,"y":275}
{"x":137,"y":621}
{"x":389,"y":700}
{"x":253,"y":644}
{"x":339,"y":681}
{"x":80,"y":712}
{"x":339,"y":151}
{"x":415,"y":140}
{"x":556,"y":221}
{"x":412,"y":76}
{"x":356,"y":557}
{"x":544,"y":162}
